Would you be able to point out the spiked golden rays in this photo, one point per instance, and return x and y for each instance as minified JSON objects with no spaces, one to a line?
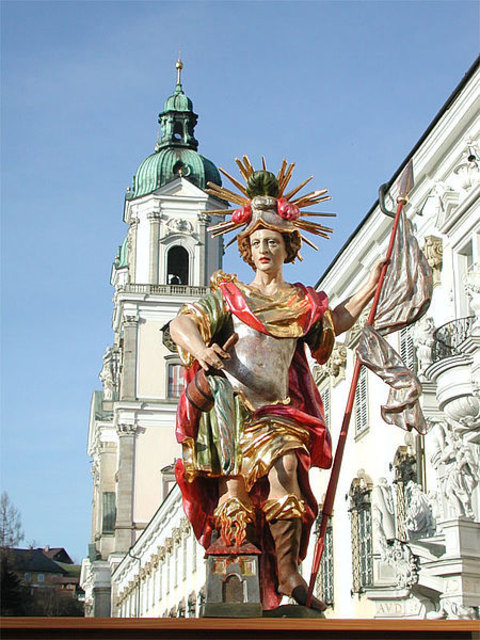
{"x":242,"y":199}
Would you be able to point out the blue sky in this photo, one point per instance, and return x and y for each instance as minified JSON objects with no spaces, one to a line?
{"x":345,"y":89}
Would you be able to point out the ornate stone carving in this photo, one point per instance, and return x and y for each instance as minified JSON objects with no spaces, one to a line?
{"x":154,"y":215}
{"x":106,"y":375}
{"x":472,"y":289}
{"x":168,"y":545}
{"x":468,"y":169}
{"x":433,"y":250}
{"x":161,"y":552}
{"x":456,"y":465}
{"x":397,"y":555}
{"x":177,"y":535}
{"x":419,"y":522}
{"x":185,"y":526}
{"x":130,"y":320}
{"x":423,"y":341}
{"x":337,"y":362}
{"x":353,"y":334}
{"x":126,"y":429}
{"x":179,"y":225}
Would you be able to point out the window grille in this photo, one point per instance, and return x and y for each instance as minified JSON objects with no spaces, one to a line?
{"x":175,"y":380}
{"x":108,"y":512}
{"x":326,"y":396}
{"x":324,"y":583}
{"x":361,"y":403}
{"x":361,"y":522}
{"x":407,"y":348}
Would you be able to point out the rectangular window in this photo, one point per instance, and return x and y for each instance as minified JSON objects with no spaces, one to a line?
{"x":365,"y":547}
{"x":175,"y":380}
{"x":361,"y":403}
{"x":108,"y":512}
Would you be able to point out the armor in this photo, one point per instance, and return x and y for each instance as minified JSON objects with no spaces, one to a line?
{"x":258,"y":369}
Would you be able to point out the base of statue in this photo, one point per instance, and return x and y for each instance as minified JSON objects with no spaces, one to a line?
{"x":293,"y":611}
{"x":231,"y":610}
{"x":232,"y":589}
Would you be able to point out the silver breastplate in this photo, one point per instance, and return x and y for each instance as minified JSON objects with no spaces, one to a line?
{"x":259,"y":365}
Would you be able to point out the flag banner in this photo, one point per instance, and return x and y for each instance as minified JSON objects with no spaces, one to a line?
{"x":407,"y":289}
{"x":405,"y":298}
{"x":402,"y":408}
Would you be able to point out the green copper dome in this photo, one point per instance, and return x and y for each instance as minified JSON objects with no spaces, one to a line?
{"x":170,"y":163}
{"x":178,"y":101}
{"x":176,"y":151}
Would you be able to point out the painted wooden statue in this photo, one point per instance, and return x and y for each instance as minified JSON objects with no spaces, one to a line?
{"x":251,"y":420}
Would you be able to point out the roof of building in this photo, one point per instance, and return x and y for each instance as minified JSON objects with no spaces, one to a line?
{"x":58,"y":554}
{"x":175,"y":154}
{"x":33,"y":561}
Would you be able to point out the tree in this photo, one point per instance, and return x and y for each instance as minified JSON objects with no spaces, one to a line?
{"x":11,"y":532}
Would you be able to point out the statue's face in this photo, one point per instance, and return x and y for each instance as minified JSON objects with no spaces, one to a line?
{"x":268,"y":250}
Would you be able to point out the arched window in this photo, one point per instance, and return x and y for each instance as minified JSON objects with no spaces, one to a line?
{"x":177,"y":266}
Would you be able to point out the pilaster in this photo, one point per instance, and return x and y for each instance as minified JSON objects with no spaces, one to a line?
{"x":130,"y":340}
{"x":154,"y":218}
{"x":126,"y":457}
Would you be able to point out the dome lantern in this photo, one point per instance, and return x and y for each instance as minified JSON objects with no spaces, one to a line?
{"x":176,"y":151}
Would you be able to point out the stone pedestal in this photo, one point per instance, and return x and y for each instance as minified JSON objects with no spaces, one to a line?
{"x":459,"y":568}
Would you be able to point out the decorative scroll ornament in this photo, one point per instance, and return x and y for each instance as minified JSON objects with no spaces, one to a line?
{"x":405,"y":564}
{"x":264,"y":203}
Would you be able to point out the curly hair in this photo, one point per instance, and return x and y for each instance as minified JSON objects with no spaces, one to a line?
{"x":293,"y":242}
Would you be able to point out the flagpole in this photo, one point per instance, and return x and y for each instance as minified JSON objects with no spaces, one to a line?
{"x":406,"y":183}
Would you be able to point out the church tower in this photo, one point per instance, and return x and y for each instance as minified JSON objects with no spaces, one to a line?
{"x":164,"y":262}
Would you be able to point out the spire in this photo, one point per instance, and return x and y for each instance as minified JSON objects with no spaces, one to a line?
{"x":177,"y":119}
{"x":179,"y":67}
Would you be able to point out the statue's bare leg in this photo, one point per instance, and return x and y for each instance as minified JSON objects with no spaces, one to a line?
{"x":233,"y":487}
{"x":284,"y":510}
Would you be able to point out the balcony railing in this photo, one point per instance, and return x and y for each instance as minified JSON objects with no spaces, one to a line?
{"x":450,"y":336}
{"x":166,"y":289}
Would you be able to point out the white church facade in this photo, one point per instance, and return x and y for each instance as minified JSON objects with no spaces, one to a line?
{"x":164,"y":262}
{"x":404,"y":540}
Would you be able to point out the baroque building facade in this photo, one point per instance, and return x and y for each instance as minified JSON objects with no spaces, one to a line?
{"x":164,"y":262}
{"x":404,"y":539}
{"x":405,"y":535}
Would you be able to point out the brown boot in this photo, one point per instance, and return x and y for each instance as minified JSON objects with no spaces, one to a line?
{"x":286,"y":535}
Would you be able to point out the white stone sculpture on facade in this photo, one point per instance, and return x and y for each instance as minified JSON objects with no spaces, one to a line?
{"x":472,"y":288}
{"x":457,"y":468}
{"x":423,"y":341}
{"x":383,"y":515}
{"x":419,"y":522}
{"x":106,"y":374}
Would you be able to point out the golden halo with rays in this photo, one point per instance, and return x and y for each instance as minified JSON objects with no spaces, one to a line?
{"x":283,"y":178}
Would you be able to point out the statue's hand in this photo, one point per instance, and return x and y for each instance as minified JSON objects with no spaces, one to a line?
{"x":376,"y":272}
{"x":213,"y":356}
